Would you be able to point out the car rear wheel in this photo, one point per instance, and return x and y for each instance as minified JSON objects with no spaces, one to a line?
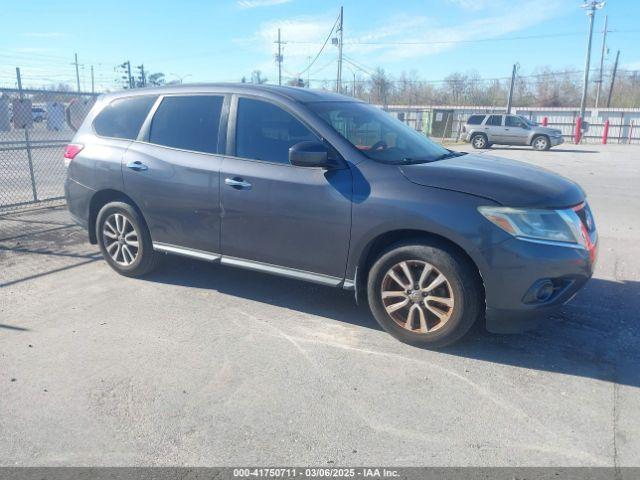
{"x":479,"y":141}
{"x":124,"y":240}
{"x":540,"y":143}
{"x":424,"y":295}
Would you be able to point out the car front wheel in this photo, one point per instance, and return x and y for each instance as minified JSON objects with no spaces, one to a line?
{"x":541,"y":143}
{"x":424,"y":295}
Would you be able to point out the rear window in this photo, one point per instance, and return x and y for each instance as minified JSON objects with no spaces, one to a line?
{"x":187,"y":122}
{"x":475,"y":119}
{"x":123,"y":117}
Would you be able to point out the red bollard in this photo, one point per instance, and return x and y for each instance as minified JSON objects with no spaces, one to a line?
{"x":578,"y":132}
{"x":605,"y":132}
{"x":545,"y":121}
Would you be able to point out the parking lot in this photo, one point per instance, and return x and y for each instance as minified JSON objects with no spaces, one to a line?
{"x":200,"y":364}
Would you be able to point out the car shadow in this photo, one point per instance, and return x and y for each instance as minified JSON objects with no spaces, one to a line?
{"x":596,"y":335}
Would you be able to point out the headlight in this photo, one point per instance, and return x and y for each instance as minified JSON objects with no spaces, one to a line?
{"x":537,"y":224}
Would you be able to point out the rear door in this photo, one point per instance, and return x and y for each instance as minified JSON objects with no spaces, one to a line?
{"x":172,"y":172}
{"x":494,"y":129}
{"x":516,"y":131}
{"x":278,"y":217}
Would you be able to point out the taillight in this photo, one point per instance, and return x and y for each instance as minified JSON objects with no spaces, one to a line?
{"x":71,"y":151}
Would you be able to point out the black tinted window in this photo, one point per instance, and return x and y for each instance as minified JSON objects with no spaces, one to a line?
{"x":187,"y":122}
{"x":514,"y":122}
{"x":266,"y":132}
{"x":475,"y":119}
{"x":495,"y":120}
{"x":123,"y":118}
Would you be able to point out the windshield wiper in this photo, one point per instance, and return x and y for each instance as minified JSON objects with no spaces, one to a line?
{"x":451,"y":154}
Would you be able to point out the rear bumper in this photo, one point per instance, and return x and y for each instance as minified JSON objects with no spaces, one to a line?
{"x":514,"y":270}
{"x":78,"y":199}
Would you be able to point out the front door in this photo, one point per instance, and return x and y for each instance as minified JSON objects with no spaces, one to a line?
{"x":173,"y":174}
{"x":516,"y":131}
{"x":276,"y":216}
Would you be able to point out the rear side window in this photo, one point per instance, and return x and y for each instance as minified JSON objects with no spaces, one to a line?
{"x":494,"y":120}
{"x":266,"y":132}
{"x":475,"y":119}
{"x":123,"y":117}
{"x":187,"y":122}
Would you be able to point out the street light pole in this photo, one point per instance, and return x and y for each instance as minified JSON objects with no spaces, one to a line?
{"x":590,"y":7}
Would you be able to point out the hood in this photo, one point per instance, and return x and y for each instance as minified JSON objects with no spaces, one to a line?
{"x":547,"y":131}
{"x":507,"y":182}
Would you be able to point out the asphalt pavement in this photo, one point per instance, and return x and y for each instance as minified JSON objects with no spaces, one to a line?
{"x":205,"y":365}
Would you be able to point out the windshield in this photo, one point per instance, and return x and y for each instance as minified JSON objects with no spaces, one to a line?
{"x":377,"y":134}
{"x":531,"y":123}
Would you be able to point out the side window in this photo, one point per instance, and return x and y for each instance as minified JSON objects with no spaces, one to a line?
{"x":123,"y":117}
{"x":494,"y":120}
{"x":475,"y":119}
{"x":512,"y":121}
{"x":187,"y":122}
{"x":266,"y":132}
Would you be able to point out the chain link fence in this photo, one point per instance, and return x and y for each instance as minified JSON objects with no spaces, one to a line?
{"x":34,"y":130}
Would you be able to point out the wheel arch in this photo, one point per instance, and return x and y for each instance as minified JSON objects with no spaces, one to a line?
{"x":383,"y":241}
{"x":536,"y":135}
{"x":99,"y":200}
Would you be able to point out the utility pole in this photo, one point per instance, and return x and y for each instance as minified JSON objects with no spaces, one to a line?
{"x":126,"y":74}
{"x":591,"y":7}
{"x":131,"y":84}
{"x":340,"y":29}
{"x":279,"y":58}
{"x":142,"y":79}
{"x":77,"y":72}
{"x":604,"y":47}
{"x":511,"y":86}
{"x":92,"y":81}
{"x":613,"y":78}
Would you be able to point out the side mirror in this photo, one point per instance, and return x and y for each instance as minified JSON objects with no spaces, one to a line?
{"x":310,"y":154}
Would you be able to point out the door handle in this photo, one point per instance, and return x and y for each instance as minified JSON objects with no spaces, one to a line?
{"x":237,"y":183}
{"x":138,"y":166}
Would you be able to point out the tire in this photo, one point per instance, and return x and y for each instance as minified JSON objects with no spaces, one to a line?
{"x":479,"y":141}
{"x":116,"y":237}
{"x":541,"y":142}
{"x":462,"y":289}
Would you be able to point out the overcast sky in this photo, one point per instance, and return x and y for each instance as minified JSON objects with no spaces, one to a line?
{"x":222,"y":40}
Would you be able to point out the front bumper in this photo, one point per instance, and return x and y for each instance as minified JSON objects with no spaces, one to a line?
{"x":513,"y":270}
{"x":556,"y":141}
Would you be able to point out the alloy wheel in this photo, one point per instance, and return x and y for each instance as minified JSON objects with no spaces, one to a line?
{"x":479,"y":141}
{"x":417,"y":296}
{"x":540,"y":143}
{"x":121,"y":239}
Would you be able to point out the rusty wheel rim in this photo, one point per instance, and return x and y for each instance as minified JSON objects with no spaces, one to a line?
{"x":417,"y":296}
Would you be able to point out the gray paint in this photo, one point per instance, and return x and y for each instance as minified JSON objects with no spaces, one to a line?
{"x":317,"y":224}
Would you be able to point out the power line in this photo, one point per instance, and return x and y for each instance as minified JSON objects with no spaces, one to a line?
{"x":321,"y":48}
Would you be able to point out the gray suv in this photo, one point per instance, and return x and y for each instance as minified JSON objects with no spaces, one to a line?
{"x":485,"y":130}
{"x":320,"y":187}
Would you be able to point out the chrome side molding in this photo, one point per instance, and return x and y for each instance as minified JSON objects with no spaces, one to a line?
{"x":253,"y":265}
{"x":186,"y":252}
